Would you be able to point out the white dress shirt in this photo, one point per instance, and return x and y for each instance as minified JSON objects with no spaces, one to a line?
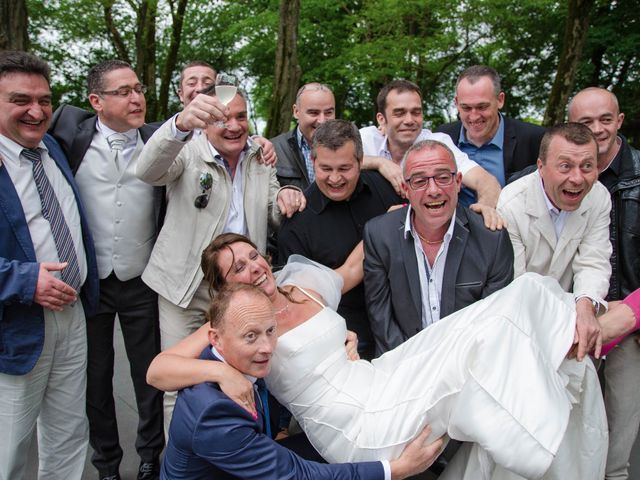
{"x":431,"y":276}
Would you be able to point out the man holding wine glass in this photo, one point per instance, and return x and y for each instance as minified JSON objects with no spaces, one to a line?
{"x":215,"y":184}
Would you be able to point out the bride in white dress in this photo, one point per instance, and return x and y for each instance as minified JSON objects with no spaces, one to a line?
{"x":493,"y":374}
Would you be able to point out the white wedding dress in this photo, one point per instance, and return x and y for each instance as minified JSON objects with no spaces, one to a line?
{"x":494,"y":374}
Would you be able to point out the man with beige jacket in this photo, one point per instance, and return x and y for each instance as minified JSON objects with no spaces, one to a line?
{"x":216,"y":183}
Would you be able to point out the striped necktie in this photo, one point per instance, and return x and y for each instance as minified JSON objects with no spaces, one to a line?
{"x":52,"y":212}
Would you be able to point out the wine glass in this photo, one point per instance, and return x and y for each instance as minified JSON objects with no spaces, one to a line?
{"x":226,"y":88}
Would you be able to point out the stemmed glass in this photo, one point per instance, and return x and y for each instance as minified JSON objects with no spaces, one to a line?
{"x":226,"y":88}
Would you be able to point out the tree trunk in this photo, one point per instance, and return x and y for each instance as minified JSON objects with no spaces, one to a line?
{"x":287,"y":71}
{"x":575,"y":35}
{"x":146,"y":54}
{"x":172,"y":56}
{"x":13,"y":25}
{"x":114,"y":35}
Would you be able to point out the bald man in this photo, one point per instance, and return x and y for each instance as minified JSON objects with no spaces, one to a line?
{"x":619,"y":171}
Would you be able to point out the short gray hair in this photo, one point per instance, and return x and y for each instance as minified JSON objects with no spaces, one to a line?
{"x":427,"y":145}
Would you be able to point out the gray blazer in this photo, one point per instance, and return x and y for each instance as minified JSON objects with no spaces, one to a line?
{"x":291,"y":169}
{"x":479,"y":262}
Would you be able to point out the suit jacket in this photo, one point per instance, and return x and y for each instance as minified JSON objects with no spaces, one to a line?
{"x":521,"y":143}
{"x":579,"y":259}
{"x":174,"y":267}
{"x":74,"y":129}
{"x":22,"y":320}
{"x":212,"y":437}
{"x":479,"y":262}
{"x":291,"y":169}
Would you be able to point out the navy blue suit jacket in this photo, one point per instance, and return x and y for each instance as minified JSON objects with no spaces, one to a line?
{"x":22,"y":320}
{"x":212,"y":437}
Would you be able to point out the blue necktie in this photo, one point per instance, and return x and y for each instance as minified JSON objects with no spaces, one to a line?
{"x":263,"y":395}
{"x":52,"y":212}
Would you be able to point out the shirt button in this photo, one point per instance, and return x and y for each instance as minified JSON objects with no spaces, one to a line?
{"x":119,"y":204}
{"x":119,"y":185}
{"x":433,"y":308}
{"x":116,"y":256}
{"x":117,"y":220}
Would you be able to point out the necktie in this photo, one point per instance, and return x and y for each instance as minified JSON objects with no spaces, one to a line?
{"x":263,"y":395}
{"x":52,"y":212}
{"x":116,"y":143}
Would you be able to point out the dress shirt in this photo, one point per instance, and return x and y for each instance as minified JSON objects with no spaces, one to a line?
{"x":129,"y":146}
{"x":489,"y":156}
{"x":20,"y":171}
{"x":235,"y":220}
{"x":305,"y":149}
{"x":558,"y":217}
{"x":376,"y":145}
{"x":431,"y":276}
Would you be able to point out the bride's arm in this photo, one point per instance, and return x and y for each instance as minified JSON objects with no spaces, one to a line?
{"x":179,"y":367}
{"x":352,"y":271}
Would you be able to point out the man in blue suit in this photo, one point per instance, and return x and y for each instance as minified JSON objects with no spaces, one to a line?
{"x":46,"y":256}
{"x":213,"y":437}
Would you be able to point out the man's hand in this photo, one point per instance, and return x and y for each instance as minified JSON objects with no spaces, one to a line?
{"x":588,"y":334}
{"x":268,"y":156}
{"x":290,"y":201}
{"x":51,"y":292}
{"x":417,"y":456}
{"x":236,"y":386}
{"x":351,"y":345}
{"x":388,"y":169}
{"x":492,"y":220}
{"x":202,"y":111}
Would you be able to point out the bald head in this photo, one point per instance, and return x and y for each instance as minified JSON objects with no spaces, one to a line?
{"x":598,"y":109}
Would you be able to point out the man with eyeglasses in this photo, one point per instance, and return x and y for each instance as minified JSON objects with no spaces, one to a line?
{"x":431,"y":258}
{"x":124,"y":217}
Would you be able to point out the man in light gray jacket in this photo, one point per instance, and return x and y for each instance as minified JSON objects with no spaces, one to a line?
{"x":215,"y":183}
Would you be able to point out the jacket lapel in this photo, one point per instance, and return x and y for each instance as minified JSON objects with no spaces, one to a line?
{"x":81,"y":142}
{"x":297,"y":154}
{"x":410,"y":262}
{"x":452,"y":263}
{"x":508,"y":145}
{"x":12,"y":207}
{"x":536,"y":209}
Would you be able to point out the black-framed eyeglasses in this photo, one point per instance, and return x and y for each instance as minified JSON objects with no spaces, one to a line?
{"x":205,"y":181}
{"x":125,"y":91}
{"x":420,"y":182}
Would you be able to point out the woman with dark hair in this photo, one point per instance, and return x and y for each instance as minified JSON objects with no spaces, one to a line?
{"x":494,"y":373}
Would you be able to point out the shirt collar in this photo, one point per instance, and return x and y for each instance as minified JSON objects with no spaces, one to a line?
{"x":301,"y":140}
{"x":320,"y":201}
{"x":408,"y":225}
{"x":217,"y":354}
{"x":131,"y":134}
{"x":497,"y":140}
{"x":553,"y":210}
{"x":12,"y":150}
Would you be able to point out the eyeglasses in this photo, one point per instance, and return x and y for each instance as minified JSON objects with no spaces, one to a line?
{"x":206,"y":182}
{"x":125,"y":91}
{"x":421,"y":182}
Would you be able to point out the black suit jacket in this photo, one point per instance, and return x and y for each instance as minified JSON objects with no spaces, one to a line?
{"x":479,"y":262}
{"x":521,"y":143}
{"x":74,"y":128}
{"x":290,"y":169}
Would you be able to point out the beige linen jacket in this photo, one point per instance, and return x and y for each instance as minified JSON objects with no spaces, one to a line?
{"x":579,"y":259}
{"x":174,"y":269}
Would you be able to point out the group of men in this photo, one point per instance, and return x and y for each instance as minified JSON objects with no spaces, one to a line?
{"x":116,"y":212}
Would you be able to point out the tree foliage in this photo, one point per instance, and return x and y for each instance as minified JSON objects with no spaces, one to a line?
{"x":355,"y":46}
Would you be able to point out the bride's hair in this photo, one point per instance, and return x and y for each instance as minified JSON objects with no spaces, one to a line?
{"x":209,"y":262}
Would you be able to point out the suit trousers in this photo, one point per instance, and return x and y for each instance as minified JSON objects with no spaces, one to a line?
{"x":177,"y":323}
{"x":622,"y":403}
{"x":137,"y":308}
{"x":51,"y":396}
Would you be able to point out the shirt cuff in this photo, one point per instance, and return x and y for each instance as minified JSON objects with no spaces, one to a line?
{"x":177,"y":133}
{"x":387,"y":469}
{"x":599,"y":306}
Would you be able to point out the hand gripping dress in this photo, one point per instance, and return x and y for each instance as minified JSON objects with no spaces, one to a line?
{"x":494,"y":374}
